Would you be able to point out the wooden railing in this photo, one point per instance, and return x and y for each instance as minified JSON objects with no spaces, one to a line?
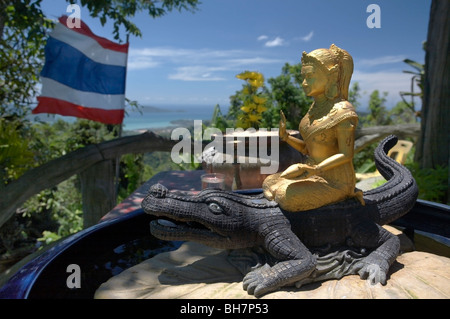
{"x":95,"y":165}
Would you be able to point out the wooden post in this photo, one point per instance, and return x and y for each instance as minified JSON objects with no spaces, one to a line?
{"x":98,"y":191}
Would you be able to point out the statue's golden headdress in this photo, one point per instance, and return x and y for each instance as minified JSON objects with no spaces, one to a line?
{"x":332,"y":60}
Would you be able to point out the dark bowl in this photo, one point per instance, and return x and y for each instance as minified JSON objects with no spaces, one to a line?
{"x":106,"y":249}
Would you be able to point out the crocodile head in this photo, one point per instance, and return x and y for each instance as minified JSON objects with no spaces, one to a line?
{"x":213,"y":217}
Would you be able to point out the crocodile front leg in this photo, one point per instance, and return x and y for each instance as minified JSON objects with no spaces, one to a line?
{"x":376,"y":265}
{"x":296,"y":263}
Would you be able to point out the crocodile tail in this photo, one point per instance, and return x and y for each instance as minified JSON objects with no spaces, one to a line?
{"x":398,"y":195}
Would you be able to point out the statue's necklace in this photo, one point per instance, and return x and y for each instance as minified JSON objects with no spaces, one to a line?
{"x":319,"y":112}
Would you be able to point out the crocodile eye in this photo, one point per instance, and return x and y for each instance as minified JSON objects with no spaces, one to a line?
{"x":215,"y":208}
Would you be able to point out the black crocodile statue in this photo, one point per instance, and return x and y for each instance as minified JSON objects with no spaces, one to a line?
{"x":296,"y":242}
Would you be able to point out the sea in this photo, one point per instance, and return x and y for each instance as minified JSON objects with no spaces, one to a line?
{"x":151,"y":117}
{"x":158,"y":117}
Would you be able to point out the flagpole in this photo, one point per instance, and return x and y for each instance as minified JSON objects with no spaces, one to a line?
{"x":126,"y":71}
{"x":121,"y":126}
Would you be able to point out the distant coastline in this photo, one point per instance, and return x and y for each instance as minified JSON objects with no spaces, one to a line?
{"x":165,"y":119}
{"x":155,"y":109}
{"x":161,"y":119}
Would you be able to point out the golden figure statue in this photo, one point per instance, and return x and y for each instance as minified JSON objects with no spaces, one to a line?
{"x":328,"y":136}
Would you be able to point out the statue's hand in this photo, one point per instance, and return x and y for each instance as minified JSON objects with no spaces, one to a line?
{"x":299,"y":171}
{"x":282,"y":130}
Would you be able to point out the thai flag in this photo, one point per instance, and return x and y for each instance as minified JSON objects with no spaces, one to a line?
{"x":83,"y":76}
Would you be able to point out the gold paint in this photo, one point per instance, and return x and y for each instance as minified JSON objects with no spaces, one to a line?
{"x":328,"y":132}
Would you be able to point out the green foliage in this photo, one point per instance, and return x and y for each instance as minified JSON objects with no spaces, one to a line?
{"x":15,"y":153}
{"x":354,"y":95}
{"x":418,"y":78}
{"x":121,"y":12}
{"x":363,"y":161}
{"x":23,"y":35}
{"x":254,"y":101}
{"x":432,"y":182}
{"x":286,"y":94}
{"x":56,"y":212}
{"x":378,"y":113}
{"x":49,"y":237}
{"x":401,"y":113}
{"x":22,"y":39}
{"x":283,"y":94}
{"x":218,"y":120}
{"x":131,"y":177}
{"x":85,"y":132}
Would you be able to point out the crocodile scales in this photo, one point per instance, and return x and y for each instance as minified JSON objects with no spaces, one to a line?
{"x":295,"y":240}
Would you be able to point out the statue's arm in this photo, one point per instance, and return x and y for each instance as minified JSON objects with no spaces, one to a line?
{"x":346,"y":140}
{"x":296,"y":143}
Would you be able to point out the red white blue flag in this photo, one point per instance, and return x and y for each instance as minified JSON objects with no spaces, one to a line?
{"x":84,"y":75}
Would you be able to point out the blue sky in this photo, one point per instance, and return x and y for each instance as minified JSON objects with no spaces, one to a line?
{"x":192,"y":58}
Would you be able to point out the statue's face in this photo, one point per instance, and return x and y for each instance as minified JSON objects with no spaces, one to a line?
{"x":314,"y":80}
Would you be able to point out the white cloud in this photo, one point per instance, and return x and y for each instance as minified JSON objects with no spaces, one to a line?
{"x":275,"y":42}
{"x":252,"y":61}
{"x":139,"y":63}
{"x":196,"y":64}
{"x":389,"y":59}
{"x":152,"y":57}
{"x":197,"y":73}
{"x":262,"y":37}
{"x":392,"y":82}
{"x":307,"y":37}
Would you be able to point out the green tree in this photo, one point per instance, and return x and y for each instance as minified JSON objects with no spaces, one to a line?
{"x":23,"y":31}
{"x":23,"y":28}
{"x":354,"y":95}
{"x":15,"y":153}
{"x":402,"y":113}
{"x":378,"y":113}
{"x":286,"y":94}
{"x":23,"y":35}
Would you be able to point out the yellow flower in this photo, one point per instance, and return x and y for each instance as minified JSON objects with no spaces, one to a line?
{"x":254,"y":117}
{"x":247,"y":75}
{"x":259,"y":100}
{"x":256,"y":83}
{"x":254,"y":104}
{"x":255,"y":79}
{"x":261,"y":109}
{"x":246,"y":109}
